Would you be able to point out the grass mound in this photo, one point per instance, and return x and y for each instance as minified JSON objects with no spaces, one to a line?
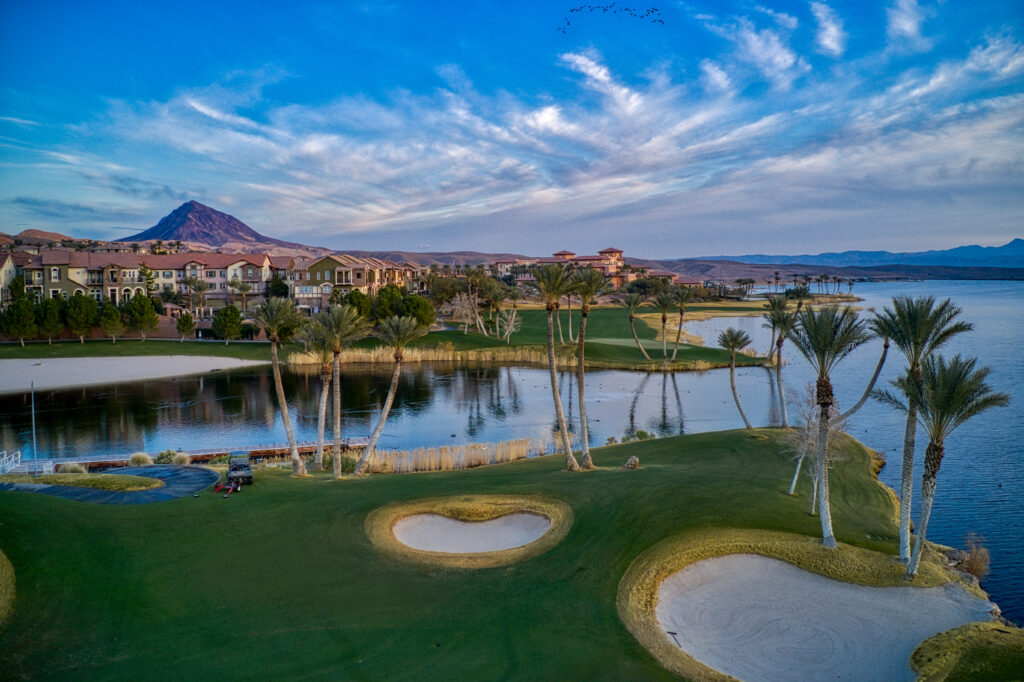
{"x":976,"y":651}
{"x":380,"y":525}
{"x":117,"y":482}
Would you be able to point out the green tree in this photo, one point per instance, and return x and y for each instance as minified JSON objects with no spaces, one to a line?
{"x":387,"y":303}
{"x":945,"y":394}
{"x":141,"y":315}
{"x":733,"y":340}
{"x":201,"y":287}
{"x":241,"y":288}
{"x":590,"y":283}
{"x":186,"y":325}
{"x":647,"y":286}
{"x":227,"y":323}
{"x":416,"y":306}
{"x":277,"y":288}
{"x":16,"y":288}
{"x":50,"y":318}
{"x":360,"y":301}
{"x":664,"y":303}
{"x":397,"y":332}
{"x":824,"y":337}
{"x":82,"y":313}
{"x":20,"y":320}
{"x":782,"y":321}
{"x":280,"y":321}
{"x":918,"y":327}
{"x":682,"y":296}
{"x":146,"y":273}
{"x":111,"y":321}
{"x":552,"y":282}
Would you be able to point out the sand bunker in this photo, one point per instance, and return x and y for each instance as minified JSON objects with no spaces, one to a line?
{"x":436,"y":533}
{"x":470,"y":531}
{"x":757,"y":618}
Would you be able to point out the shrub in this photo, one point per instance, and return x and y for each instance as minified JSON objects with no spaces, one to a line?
{"x":165,"y":457}
{"x":140,"y":459}
{"x":71,"y":469}
{"x":182,"y":460}
{"x":976,"y":558}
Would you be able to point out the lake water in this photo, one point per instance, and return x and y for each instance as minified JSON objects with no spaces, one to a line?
{"x":980,"y":487}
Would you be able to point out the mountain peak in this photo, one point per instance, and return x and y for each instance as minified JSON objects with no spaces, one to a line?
{"x":196,"y":222}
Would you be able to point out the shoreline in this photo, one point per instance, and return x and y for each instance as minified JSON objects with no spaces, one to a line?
{"x":62,"y":373}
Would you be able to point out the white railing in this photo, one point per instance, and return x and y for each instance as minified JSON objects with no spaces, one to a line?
{"x":9,"y":461}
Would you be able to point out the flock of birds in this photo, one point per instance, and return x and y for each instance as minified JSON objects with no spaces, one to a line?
{"x":651,"y":14}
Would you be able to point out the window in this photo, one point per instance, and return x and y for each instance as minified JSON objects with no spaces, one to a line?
{"x":113,"y":275}
{"x":308,"y":275}
{"x":54,"y":293}
{"x":318,"y":276}
{"x":210,"y":274}
{"x":54,"y":274}
{"x":249,"y":272}
{"x":168,"y":274}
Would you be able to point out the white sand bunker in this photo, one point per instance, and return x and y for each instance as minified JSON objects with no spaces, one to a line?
{"x":437,"y":533}
{"x":757,"y":618}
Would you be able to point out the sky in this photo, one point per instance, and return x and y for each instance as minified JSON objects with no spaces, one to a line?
{"x":665,"y":129}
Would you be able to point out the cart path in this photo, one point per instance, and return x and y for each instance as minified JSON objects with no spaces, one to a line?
{"x":178,"y":482}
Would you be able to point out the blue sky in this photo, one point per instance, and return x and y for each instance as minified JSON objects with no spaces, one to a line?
{"x":691,"y":129}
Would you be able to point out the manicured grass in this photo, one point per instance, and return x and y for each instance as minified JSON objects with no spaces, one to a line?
{"x":124,"y":347}
{"x":281,"y":581}
{"x":117,"y":482}
{"x":976,"y":651}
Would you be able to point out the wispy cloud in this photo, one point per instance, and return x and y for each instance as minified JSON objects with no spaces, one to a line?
{"x":904,"y":27}
{"x":831,"y":38}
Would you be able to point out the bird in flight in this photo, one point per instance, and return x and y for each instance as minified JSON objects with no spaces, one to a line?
{"x":651,"y":14}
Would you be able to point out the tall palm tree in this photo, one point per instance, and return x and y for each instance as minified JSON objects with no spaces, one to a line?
{"x":201,"y":287}
{"x":664,"y":303}
{"x":515,"y":294}
{"x":917,"y":327}
{"x":773,"y":307}
{"x":633,"y":302}
{"x":397,"y":332}
{"x":190,"y":283}
{"x":782,"y":321}
{"x":343,"y":325}
{"x":319,"y":342}
{"x":800,"y":293}
{"x":682,"y":297}
{"x":943,"y":394}
{"x":732,"y":340}
{"x":552,"y":281}
{"x":590,"y":283}
{"x":824,"y":337}
{"x":237,"y":286}
{"x":280,"y":321}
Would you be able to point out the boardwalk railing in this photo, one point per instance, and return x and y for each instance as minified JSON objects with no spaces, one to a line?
{"x":9,"y":461}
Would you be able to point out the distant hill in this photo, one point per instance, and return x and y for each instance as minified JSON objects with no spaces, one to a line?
{"x":1010,"y":255}
{"x":437,"y":257}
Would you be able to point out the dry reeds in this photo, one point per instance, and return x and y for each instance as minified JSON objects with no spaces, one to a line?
{"x":140,"y":459}
{"x":452,"y":457}
{"x":445,"y":352}
{"x":975,"y":558}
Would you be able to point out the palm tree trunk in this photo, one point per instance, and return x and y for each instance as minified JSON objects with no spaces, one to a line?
{"x":298,"y":466}
{"x":664,"y":341}
{"x":796,"y":475}
{"x":336,"y":448}
{"x":824,"y":509}
{"x":933,"y":455}
{"x":735,"y":393}
{"x":907,"y":481}
{"x":771,"y":346}
{"x":364,"y":461}
{"x":778,"y":383}
{"x":325,"y":390}
{"x":568,"y":300}
{"x":588,"y":463}
{"x":814,"y":495}
{"x":558,"y":318}
{"x":679,"y":334}
{"x":570,"y":461}
{"x":871,"y":384}
{"x":636,"y":338}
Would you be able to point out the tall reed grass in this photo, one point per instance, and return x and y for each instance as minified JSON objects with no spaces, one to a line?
{"x":442,"y":353}
{"x":452,"y":457}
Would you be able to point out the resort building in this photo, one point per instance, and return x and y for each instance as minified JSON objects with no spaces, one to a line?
{"x":609,"y":261}
{"x":314,"y":281}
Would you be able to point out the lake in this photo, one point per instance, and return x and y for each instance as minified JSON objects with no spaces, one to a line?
{"x":980,"y":487}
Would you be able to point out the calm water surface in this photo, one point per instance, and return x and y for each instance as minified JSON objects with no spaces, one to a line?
{"x":980,"y":488}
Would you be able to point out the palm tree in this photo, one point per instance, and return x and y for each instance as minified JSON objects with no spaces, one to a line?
{"x":733,"y":340}
{"x":824,"y":337}
{"x":632,"y":302}
{"x":799,"y":293}
{"x":782,"y":322}
{"x":943,"y":394}
{"x":515,"y":294}
{"x":190,"y":283}
{"x":683,"y":296}
{"x":201,"y":288}
{"x":590,"y":283}
{"x":665,"y":303}
{"x":320,"y":343}
{"x":773,"y":306}
{"x":238,"y":286}
{"x":397,"y":332}
{"x":552,"y":281}
{"x":280,"y":321}
{"x":917,"y":327}
{"x":343,"y":325}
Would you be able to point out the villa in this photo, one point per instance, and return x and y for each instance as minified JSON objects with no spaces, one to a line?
{"x":609,"y":261}
{"x":314,"y":281}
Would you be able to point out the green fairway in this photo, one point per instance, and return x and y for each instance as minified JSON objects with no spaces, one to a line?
{"x":98,"y":348}
{"x":281,"y":581}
